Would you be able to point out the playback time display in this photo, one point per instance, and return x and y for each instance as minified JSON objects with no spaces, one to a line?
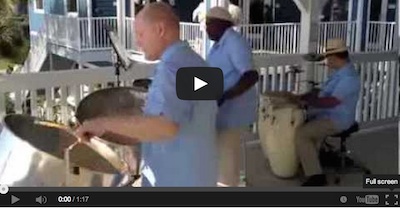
{"x":73,"y":199}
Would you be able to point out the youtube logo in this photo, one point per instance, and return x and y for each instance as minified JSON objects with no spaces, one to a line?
{"x":199,"y":83}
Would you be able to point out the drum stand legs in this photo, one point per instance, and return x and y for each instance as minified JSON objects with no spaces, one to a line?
{"x":243,"y":174}
{"x":68,"y":164}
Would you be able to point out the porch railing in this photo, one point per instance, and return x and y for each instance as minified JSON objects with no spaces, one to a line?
{"x":342,"y":30}
{"x":60,"y":91}
{"x":282,"y":38}
{"x":54,"y":95}
{"x":88,"y":33}
{"x":380,"y":36}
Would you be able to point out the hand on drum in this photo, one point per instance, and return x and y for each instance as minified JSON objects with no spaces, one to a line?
{"x":90,"y":129}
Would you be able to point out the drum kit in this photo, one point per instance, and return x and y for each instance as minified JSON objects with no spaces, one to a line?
{"x":39,"y":153}
{"x":280,"y":114}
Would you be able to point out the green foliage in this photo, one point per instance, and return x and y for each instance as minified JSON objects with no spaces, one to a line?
{"x":14,"y":41}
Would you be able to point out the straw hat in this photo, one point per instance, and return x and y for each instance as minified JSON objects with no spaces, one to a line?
{"x":335,"y":46}
{"x":220,"y":13}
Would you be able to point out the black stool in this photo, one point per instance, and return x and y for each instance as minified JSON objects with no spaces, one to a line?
{"x":343,"y":155}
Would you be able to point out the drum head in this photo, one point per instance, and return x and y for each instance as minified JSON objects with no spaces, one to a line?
{"x":109,"y":102}
{"x":53,"y":139}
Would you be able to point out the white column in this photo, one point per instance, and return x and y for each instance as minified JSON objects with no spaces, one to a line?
{"x":206,"y":41}
{"x":397,"y":30}
{"x":245,"y":6}
{"x":121,"y":14}
{"x":349,"y":35}
{"x":360,"y":14}
{"x":310,"y":12}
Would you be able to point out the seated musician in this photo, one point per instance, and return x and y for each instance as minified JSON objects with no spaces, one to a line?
{"x":330,"y":110}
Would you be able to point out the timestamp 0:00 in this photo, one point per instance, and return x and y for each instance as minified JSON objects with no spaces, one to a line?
{"x":72,"y":199}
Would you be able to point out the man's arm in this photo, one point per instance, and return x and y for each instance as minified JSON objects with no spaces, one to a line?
{"x":247,"y":80}
{"x":241,"y":57}
{"x":130,"y":130}
{"x":324,"y":102}
{"x":347,"y":86}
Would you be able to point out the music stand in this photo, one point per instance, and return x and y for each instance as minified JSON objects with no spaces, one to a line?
{"x":119,"y":52}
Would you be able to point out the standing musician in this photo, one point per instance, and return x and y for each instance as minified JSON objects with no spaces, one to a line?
{"x":177,"y":136}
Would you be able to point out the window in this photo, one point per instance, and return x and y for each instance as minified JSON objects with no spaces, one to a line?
{"x":72,"y":6}
{"x":38,"y":6}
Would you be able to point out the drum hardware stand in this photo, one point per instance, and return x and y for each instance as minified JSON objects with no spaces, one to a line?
{"x":118,"y":53}
{"x":118,"y":64}
{"x":68,"y":163}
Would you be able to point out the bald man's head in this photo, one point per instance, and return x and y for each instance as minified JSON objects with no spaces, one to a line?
{"x":156,"y":27}
{"x":159,"y":12}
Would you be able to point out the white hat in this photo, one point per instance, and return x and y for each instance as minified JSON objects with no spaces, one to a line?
{"x":220,"y":13}
{"x":335,"y":46}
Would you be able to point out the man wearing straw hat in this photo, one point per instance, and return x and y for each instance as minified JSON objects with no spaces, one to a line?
{"x":177,"y":136}
{"x":332,"y":109}
{"x":233,"y":55}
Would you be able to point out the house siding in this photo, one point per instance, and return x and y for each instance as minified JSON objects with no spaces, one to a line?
{"x":36,"y":20}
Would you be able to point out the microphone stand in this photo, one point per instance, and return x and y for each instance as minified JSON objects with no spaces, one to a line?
{"x":117,"y":65}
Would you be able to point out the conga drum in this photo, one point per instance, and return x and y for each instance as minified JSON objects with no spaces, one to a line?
{"x":113,"y":102}
{"x":32,"y":154}
{"x":278,"y":119}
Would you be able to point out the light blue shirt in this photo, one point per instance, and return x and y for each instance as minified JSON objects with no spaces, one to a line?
{"x":233,"y":55}
{"x":343,"y":84}
{"x":189,"y":159}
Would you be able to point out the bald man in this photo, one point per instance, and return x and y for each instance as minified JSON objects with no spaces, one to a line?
{"x":178,"y":137}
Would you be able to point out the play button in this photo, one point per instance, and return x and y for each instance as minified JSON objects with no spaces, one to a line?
{"x":199,"y":83}
{"x":14,"y":199}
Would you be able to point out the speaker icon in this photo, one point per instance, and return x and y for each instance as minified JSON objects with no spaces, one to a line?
{"x":41,"y":199}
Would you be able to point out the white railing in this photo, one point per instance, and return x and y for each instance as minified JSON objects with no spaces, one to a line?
{"x":379,"y":74}
{"x":380,"y":36}
{"x":83,"y":33}
{"x":282,"y":38}
{"x":343,"y":30}
{"x":87,"y":33}
{"x":193,"y":34}
{"x":54,"y":95}
{"x":93,"y":34}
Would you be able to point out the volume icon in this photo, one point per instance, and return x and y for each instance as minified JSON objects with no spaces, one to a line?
{"x":41,"y":199}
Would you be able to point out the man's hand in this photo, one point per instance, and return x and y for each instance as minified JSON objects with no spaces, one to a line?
{"x":221,"y":101}
{"x":90,"y":129}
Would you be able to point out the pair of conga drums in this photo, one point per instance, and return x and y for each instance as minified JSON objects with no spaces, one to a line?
{"x":34,"y":152}
{"x":279,"y":116}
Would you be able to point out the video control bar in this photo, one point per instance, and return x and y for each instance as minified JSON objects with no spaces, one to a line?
{"x":194,"y":198}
